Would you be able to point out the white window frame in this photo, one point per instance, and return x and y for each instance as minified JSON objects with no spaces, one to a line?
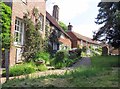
{"x":19,"y":29}
{"x":54,"y":46}
{"x":82,"y":42}
{"x":41,"y":19}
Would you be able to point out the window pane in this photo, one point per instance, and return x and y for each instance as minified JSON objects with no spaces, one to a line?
{"x":15,"y":27}
{"x":18,"y":31}
{"x":41,"y":22}
{"x":15,"y":21}
{"x":19,"y":38}
{"x":16,"y":36}
{"x":18,"y":22}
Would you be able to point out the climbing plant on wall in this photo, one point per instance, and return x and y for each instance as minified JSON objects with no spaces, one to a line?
{"x":5,"y":21}
{"x":33,"y":38}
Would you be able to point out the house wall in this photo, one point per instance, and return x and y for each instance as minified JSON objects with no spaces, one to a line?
{"x":18,"y":10}
{"x":74,"y":43}
{"x":115,"y":52}
{"x":66,"y":41}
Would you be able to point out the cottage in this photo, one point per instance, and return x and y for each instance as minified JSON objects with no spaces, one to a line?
{"x":80,"y":40}
{"x":61,"y":40}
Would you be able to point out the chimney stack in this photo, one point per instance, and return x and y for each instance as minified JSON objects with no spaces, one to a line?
{"x":56,"y":12}
{"x":70,"y":27}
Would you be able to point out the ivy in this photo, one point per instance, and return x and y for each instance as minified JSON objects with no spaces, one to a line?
{"x":5,"y":22}
{"x":33,"y":38}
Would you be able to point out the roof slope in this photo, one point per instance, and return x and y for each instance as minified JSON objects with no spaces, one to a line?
{"x":55,"y":23}
{"x":77,"y":36}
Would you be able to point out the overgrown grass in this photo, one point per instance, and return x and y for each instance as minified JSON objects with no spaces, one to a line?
{"x":102,"y":73}
{"x":106,"y":61}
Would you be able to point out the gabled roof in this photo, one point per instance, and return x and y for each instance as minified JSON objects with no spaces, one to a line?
{"x":55,"y":23}
{"x":77,"y":36}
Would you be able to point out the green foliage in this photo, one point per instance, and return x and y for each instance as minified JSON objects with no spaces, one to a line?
{"x":78,"y":52}
{"x":41,"y":67}
{"x":94,"y":51}
{"x":25,"y":68}
{"x":5,"y":23}
{"x":59,"y":59}
{"x":33,"y":39}
{"x":21,"y":69}
{"x":60,"y":56}
{"x":109,"y":16}
{"x":63,"y":59}
{"x":42,"y":56}
{"x":63,"y":26}
{"x":84,"y":49}
{"x":73,"y":55}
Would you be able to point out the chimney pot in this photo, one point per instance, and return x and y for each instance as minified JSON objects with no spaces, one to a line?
{"x":56,"y":12}
{"x":70,"y":27}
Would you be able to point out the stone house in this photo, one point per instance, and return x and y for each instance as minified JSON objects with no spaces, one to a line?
{"x":20,"y":7}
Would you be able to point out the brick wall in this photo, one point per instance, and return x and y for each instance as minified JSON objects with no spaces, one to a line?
{"x":65,"y":41}
{"x":18,"y":8}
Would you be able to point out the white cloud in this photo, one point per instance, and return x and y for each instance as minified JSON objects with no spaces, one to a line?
{"x":86,"y":29}
{"x":68,"y":8}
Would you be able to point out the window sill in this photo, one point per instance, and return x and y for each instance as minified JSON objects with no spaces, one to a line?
{"x":17,"y":45}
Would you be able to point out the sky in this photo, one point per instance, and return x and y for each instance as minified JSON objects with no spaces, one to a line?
{"x":80,"y":13}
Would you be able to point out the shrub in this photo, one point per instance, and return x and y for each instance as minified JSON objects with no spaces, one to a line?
{"x":42,"y":67}
{"x":72,"y":56}
{"x":84,"y":49}
{"x":21,"y":69}
{"x":78,"y":52}
{"x":42,"y":56}
{"x":60,"y":57}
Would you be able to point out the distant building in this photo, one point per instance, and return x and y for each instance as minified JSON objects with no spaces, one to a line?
{"x":110,"y":50}
{"x":80,"y":40}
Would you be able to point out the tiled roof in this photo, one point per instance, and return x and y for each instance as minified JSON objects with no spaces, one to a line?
{"x":77,"y":36}
{"x":71,"y":34}
{"x":55,"y":23}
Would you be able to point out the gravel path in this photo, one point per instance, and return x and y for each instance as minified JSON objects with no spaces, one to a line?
{"x":84,"y":61}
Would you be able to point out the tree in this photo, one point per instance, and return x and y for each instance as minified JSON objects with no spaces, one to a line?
{"x":63,"y":26}
{"x":109,"y":16}
{"x":5,"y":22}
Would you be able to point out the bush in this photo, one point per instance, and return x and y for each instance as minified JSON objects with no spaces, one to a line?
{"x":42,"y":56}
{"x":84,"y":49}
{"x":41,"y":67}
{"x":75,"y":53}
{"x":60,"y":56}
{"x":21,"y":69}
{"x":72,"y":56}
{"x":59,"y":59}
{"x":78,"y":52}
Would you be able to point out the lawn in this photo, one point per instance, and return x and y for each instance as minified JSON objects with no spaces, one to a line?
{"x":102,"y":73}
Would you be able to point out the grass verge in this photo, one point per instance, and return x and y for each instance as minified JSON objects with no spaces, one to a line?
{"x":104,"y":72}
